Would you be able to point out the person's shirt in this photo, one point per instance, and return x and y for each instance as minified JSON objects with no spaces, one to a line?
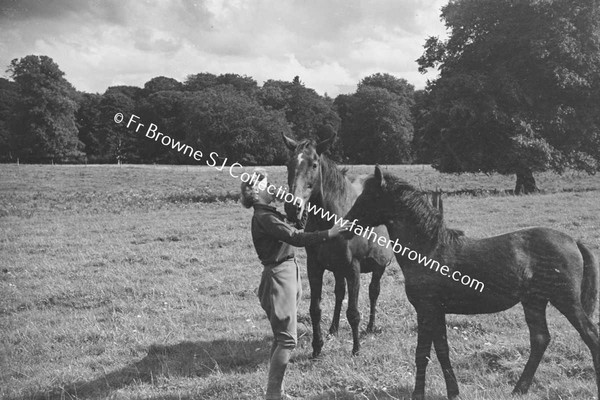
{"x":274,"y":239}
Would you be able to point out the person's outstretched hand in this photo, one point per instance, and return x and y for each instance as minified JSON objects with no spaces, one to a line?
{"x":337,"y":230}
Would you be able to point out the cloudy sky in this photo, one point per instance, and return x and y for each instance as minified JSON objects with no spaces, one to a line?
{"x":330,"y":44}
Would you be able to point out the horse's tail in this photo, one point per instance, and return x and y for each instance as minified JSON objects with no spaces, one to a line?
{"x":589,"y":285}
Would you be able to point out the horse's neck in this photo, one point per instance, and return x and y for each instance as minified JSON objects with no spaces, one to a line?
{"x":335,"y":191}
{"x":409,"y":237}
{"x":419,"y":227}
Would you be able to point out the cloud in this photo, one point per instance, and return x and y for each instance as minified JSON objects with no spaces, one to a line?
{"x":24,"y":10}
{"x":330,"y":44}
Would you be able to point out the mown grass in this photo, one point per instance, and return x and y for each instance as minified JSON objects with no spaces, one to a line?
{"x":28,"y":189}
{"x":133,"y":282}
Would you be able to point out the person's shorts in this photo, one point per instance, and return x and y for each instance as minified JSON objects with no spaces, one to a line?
{"x":279,"y":293}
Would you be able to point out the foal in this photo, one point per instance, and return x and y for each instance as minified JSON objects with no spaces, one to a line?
{"x":534,"y":266}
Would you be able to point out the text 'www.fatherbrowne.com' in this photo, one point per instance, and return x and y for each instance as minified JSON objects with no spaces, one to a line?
{"x":152,"y":132}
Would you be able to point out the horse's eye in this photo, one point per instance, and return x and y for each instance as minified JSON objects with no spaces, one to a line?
{"x":310,"y":186}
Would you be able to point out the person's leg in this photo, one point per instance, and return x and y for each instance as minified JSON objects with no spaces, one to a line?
{"x":264,"y":292}
{"x":264,"y":296}
{"x":277,"y":367}
{"x":284,"y":292}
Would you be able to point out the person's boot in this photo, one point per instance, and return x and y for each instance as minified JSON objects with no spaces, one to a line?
{"x":277,"y":367}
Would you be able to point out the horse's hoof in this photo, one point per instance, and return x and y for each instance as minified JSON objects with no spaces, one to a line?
{"x":316,"y":355}
{"x":373,"y":330}
{"x":355,"y":352}
{"x":518,"y":391}
{"x":418,"y":396}
{"x":452,"y":393}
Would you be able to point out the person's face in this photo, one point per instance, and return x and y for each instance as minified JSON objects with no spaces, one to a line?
{"x":263,"y":195}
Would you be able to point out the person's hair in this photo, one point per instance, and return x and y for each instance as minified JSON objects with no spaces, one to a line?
{"x":249,"y":196}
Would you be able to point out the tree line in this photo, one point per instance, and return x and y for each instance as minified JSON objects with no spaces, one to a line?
{"x":518,"y":92}
{"x":44,"y":119}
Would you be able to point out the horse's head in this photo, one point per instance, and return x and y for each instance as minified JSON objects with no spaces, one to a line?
{"x":375,"y":205}
{"x":304,"y":172}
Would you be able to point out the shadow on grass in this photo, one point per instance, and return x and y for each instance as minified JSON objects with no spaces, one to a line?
{"x":186,"y":359}
{"x":401,"y":393}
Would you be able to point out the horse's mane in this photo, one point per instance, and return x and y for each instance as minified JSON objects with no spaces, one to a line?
{"x":428,"y":220}
{"x":333,"y":178}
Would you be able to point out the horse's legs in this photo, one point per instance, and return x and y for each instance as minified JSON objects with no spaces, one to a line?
{"x":352,"y":313}
{"x":340,"y":293}
{"x":315,"y":280}
{"x":539,"y":337}
{"x":440,"y":341}
{"x":424,"y":340}
{"x":586,"y":328}
{"x":374,"y":289}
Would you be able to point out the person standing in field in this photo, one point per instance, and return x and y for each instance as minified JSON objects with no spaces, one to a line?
{"x":280,"y":287}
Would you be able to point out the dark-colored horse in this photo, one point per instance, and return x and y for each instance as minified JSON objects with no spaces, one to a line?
{"x":315,"y":179}
{"x":534,"y":266}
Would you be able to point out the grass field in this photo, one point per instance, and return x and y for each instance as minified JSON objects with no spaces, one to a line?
{"x":139,"y":282}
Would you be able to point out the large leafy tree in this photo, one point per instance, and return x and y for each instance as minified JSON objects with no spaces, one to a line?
{"x":518,"y":91}
{"x":117,"y":142}
{"x":201,"y":81}
{"x":89,"y":125}
{"x":206,"y":80}
{"x":421,"y":114}
{"x":377,"y":122}
{"x":169,"y":111}
{"x":161,"y":83}
{"x":243,"y":84}
{"x":134,"y":93}
{"x":309,"y":114}
{"x":45,"y":116}
{"x":234,"y":125}
{"x":397,"y":86}
{"x":104,"y":140}
{"x":9,"y":99}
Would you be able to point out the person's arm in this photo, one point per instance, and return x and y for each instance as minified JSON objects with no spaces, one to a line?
{"x":286,"y":233}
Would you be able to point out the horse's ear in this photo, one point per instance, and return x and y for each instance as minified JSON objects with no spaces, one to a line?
{"x":324,"y":145}
{"x":290,"y":143}
{"x":379,"y":178}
